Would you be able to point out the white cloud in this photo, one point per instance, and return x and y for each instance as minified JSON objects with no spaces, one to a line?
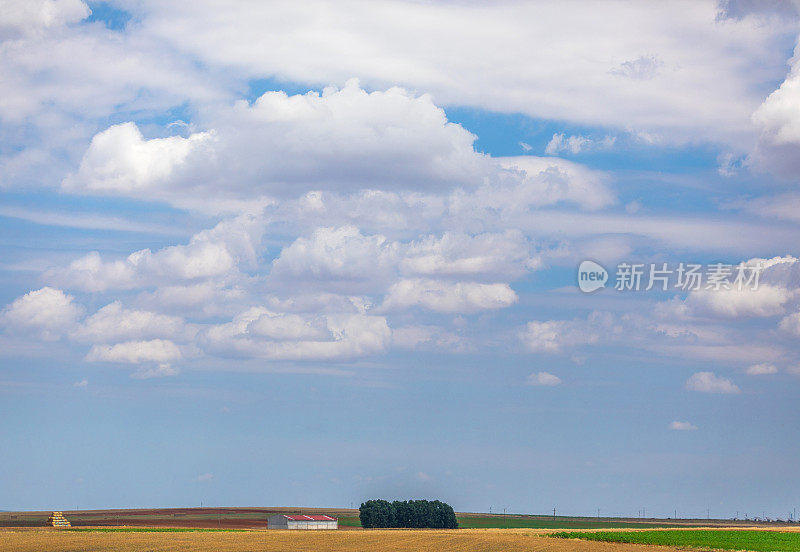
{"x":39,"y":15}
{"x":260,"y":333}
{"x":630,"y":64}
{"x":781,"y":206}
{"x":281,"y":146}
{"x":83,"y":383}
{"x":115,"y":323}
{"x":345,"y":259}
{"x":682,"y":426}
{"x":778,"y":286}
{"x":762,"y":369}
{"x":641,"y":68}
{"x":708,"y":382}
{"x":442,"y":296}
{"x":543,"y":379}
{"x":46,"y":312}
{"x":203,"y":477}
{"x":488,"y":255}
{"x":779,"y":121}
{"x":426,"y":337}
{"x":576,"y":144}
{"x":337,"y":254}
{"x":548,"y":181}
{"x":553,"y":336}
{"x":119,"y":160}
{"x":733,"y":303}
{"x":160,"y":371}
{"x":209,"y":254}
{"x":136,"y":352}
{"x":791,"y":323}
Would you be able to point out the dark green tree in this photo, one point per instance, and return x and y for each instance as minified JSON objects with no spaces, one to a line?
{"x":407,"y":514}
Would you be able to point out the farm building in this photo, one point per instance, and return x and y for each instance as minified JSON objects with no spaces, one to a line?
{"x":299,"y":521}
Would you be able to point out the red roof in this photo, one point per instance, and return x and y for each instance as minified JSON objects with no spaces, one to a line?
{"x":300,"y":517}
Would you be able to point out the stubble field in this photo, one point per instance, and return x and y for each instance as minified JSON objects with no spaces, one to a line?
{"x":464,"y":540}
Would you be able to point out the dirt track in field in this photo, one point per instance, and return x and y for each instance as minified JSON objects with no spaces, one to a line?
{"x":463,"y":540}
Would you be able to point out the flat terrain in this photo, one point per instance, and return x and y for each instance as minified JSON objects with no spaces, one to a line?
{"x":256,"y":518}
{"x":209,"y":518}
{"x":465,"y":540}
{"x":244,"y":530}
{"x":760,"y":541}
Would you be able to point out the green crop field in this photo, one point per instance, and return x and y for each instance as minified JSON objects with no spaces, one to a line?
{"x":488,"y":522}
{"x":516,"y":522}
{"x":758,"y":541}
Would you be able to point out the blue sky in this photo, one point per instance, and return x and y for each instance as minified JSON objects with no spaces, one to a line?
{"x":285,"y":255}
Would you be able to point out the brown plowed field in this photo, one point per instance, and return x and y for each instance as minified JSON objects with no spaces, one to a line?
{"x":208,"y":518}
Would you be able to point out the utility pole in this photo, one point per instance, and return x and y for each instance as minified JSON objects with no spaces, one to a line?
{"x":598,"y":513}
{"x":504,"y":519}
{"x":676,"y":514}
{"x":554,"y":514}
{"x":708,"y":514}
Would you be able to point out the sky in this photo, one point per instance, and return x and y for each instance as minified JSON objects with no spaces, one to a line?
{"x":310,"y":254}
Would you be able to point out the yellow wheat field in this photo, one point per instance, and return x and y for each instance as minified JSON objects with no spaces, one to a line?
{"x":464,"y":540}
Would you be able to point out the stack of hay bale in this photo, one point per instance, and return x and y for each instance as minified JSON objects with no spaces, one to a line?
{"x":57,"y":519}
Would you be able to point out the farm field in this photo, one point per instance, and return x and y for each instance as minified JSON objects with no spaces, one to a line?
{"x":256,"y":518}
{"x":209,"y":518}
{"x":759,"y":541}
{"x":473,"y":540}
{"x":244,"y":529}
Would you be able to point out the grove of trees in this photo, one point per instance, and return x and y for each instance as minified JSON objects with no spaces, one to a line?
{"x":432,"y":514}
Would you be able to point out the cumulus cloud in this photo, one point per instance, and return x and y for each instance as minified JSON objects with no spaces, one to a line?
{"x":765,"y":368}
{"x":488,"y":255}
{"x":337,"y":254}
{"x":116,"y":323}
{"x":209,"y":254}
{"x":767,"y":300}
{"x":344,"y":258}
{"x":553,"y":336}
{"x":47,"y":313}
{"x":548,"y":181}
{"x":444,"y":296}
{"x":543,"y":379}
{"x":708,"y":382}
{"x":120,"y":161}
{"x":279,"y":146}
{"x":260,"y":333}
{"x":779,"y":122}
{"x":682,"y":426}
{"x":136,"y":352}
{"x":775,"y":289}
